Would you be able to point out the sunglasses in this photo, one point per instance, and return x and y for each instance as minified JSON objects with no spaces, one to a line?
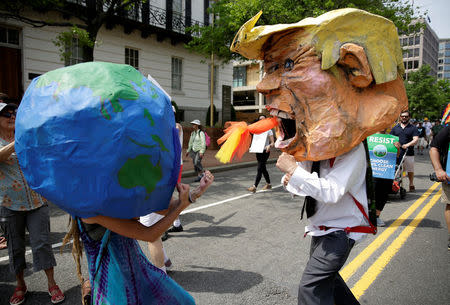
{"x":404,"y":116}
{"x":8,"y":114}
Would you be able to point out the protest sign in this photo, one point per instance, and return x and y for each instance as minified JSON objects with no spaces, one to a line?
{"x":258,"y":142}
{"x":383,"y":155}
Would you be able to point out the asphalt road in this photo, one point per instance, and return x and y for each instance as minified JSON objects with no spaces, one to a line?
{"x":241,"y":248}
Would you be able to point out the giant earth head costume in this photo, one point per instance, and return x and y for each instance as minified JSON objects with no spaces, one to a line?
{"x":331,"y":80}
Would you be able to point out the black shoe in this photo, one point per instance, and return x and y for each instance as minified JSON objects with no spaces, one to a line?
{"x":165,"y":236}
{"x":176,"y":229}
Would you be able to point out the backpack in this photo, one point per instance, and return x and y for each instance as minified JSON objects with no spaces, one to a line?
{"x":207,"y":139}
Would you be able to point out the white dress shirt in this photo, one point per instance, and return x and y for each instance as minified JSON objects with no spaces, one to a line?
{"x":333,"y":192}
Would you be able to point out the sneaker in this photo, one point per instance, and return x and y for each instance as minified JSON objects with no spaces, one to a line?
{"x":412,"y":188}
{"x":252,"y":189}
{"x":267,"y":186}
{"x":168,"y":263}
{"x":176,"y":229}
{"x":165,"y":236}
{"x":380,"y":223}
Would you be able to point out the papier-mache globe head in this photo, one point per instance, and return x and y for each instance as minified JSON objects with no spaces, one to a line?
{"x":98,"y":139}
{"x":332,"y":80}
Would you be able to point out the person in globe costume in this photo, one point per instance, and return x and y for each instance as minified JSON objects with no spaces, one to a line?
{"x":329,"y":82}
{"x":103,"y":128}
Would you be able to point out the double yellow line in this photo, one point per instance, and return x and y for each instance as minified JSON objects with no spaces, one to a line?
{"x":375,"y":269}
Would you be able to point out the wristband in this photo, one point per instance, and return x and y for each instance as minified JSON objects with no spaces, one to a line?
{"x":190,"y":198}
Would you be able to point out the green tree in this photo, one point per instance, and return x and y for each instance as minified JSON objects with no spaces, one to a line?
{"x":231,"y":14}
{"x":443,"y":93}
{"x":85,"y":18}
{"x":425,"y":97}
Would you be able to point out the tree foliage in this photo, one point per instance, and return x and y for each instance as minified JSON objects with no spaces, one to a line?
{"x":84,"y":20}
{"x":231,"y":14}
{"x":427,"y":97}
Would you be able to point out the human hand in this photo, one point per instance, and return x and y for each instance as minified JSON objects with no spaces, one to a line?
{"x":267,"y":148}
{"x":183,"y":194}
{"x":405,"y":146}
{"x":286,"y":179}
{"x":206,"y":180}
{"x":442,"y":176}
{"x":201,"y":155}
{"x":286,"y":163}
{"x":397,"y":144}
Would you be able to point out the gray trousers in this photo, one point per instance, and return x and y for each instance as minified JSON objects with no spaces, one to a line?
{"x":38,"y":224}
{"x":321,"y":282}
{"x":198,"y":167}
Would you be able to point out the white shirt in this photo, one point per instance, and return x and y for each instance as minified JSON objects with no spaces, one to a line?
{"x":333,"y":191}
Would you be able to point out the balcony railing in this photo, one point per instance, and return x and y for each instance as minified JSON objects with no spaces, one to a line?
{"x":155,"y":16}
{"x":158,"y":17}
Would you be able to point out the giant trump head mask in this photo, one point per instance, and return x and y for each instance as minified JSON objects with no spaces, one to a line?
{"x":331,"y":80}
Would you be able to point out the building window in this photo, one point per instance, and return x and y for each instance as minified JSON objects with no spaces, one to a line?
{"x":75,"y":53}
{"x":439,"y":75}
{"x":440,"y":61}
{"x":416,"y":64}
{"x":416,"y":52}
{"x":9,"y":36}
{"x":417,"y":38}
{"x":239,"y":76}
{"x":132,"y":57}
{"x":411,"y":41}
{"x":410,"y":64}
{"x":440,"y":68}
{"x":446,"y":61}
{"x":177,"y":72}
{"x":216,"y":76}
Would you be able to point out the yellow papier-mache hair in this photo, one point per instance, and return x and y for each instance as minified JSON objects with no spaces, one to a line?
{"x":329,"y":32}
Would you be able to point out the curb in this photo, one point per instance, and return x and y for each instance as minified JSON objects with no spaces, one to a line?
{"x":222,"y":168}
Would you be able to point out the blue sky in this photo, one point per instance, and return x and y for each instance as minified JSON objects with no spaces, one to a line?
{"x":438,"y":11}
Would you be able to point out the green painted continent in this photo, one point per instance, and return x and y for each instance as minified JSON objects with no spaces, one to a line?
{"x":140,"y":172}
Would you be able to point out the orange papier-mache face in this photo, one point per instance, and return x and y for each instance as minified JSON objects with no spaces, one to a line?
{"x":324,"y":113}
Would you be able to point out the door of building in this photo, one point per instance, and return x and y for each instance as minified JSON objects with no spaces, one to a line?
{"x":11,"y":73}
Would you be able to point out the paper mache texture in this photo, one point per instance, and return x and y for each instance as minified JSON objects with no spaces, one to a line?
{"x":98,"y":139}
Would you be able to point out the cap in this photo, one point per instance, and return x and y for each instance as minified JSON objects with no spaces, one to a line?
{"x":4,"y":106}
{"x":196,"y":122}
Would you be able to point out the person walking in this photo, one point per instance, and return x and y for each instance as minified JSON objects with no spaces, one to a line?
{"x":23,"y":209}
{"x":197,"y":148}
{"x":408,"y":136}
{"x":422,"y":138}
{"x":438,"y":155}
{"x":262,"y":158}
{"x":3,"y":243}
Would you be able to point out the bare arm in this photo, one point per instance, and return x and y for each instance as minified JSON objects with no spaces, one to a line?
{"x":412,"y":143}
{"x":134,"y":229}
{"x":440,"y":172}
{"x":6,"y":151}
{"x":271,"y":143}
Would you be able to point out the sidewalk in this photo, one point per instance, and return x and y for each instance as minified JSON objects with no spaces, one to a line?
{"x":210,"y":163}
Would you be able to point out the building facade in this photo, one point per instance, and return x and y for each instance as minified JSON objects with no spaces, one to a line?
{"x":420,"y":48}
{"x":150,"y":37}
{"x":246,"y":75}
{"x":444,"y":59}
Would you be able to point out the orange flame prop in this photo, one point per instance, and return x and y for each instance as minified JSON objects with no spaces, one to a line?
{"x":237,"y":138}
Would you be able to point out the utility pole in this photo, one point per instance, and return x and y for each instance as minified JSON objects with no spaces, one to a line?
{"x":211,"y":106}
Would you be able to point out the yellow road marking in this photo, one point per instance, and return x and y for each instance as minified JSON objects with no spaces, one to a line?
{"x":376,"y":268}
{"x":351,"y":267}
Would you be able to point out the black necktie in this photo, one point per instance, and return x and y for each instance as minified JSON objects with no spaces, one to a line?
{"x":310,"y":203}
